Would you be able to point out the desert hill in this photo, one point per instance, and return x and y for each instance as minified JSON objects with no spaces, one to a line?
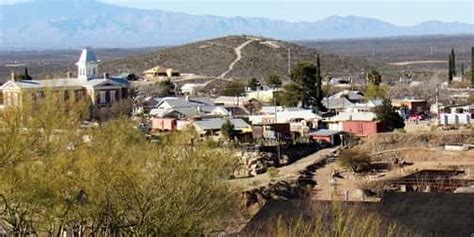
{"x":238,"y":57}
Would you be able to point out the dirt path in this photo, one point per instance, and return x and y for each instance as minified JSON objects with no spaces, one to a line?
{"x":238,"y":53}
{"x":286,"y":173}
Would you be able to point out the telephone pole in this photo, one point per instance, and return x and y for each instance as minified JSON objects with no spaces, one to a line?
{"x":289,"y":61}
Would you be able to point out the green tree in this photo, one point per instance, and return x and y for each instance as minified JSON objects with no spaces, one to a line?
{"x":374,"y":78}
{"x":453,"y":62}
{"x":305,"y":86}
{"x":387,"y":115}
{"x":56,"y":175}
{"x":234,"y":88}
{"x":375,"y":92}
{"x":273,"y":80}
{"x":24,"y":76}
{"x":166,"y":88}
{"x":472,"y":66}
{"x":253,"y":84}
{"x":450,"y":69}
{"x":355,"y":160}
{"x":228,"y":130}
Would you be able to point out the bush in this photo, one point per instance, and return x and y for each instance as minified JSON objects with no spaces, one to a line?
{"x":355,"y":160}
{"x":336,"y":220}
{"x":272,"y":172}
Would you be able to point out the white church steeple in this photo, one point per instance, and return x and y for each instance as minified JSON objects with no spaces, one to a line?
{"x":88,"y":65}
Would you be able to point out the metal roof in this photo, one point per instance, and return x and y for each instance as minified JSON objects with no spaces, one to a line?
{"x":324,"y":132}
{"x":216,"y":124}
{"x":87,"y":56}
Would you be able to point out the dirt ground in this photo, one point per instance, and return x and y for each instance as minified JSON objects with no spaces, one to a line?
{"x":286,"y":173}
{"x":349,"y":186}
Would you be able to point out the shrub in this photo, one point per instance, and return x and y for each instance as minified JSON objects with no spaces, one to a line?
{"x":272,"y":172}
{"x":355,"y":160}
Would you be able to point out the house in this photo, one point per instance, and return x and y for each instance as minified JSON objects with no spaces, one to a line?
{"x":183,"y":107}
{"x":358,"y":123}
{"x":213,"y":126}
{"x":191,"y":88}
{"x":164,"y":124}
{"x":352,"y":96}
{"x":337,"y":104}
{"x":264,"y":93}
{"x":457,"y":115}
{"x":285,"y":115}
{"x":362,"y":128}
{"x":271,"y":131}
{"x":338,"y":82}
{"x":161,"y":73}
{"x":100,"y":91}
{"x":231,"y":100}
{"x":414,"y":106}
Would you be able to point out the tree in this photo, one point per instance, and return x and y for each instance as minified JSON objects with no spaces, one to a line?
{"x":319,"y":84}
{"x":355,"y":160}
{"x":274,"y":81}
{"x":450,"y":69}
{"x":376,"y":92}
{"x":253,"y":84}
{"x":291,"y":96}
{"x":228,"y":130}
{"x":166,"y":88}
{"x":453,"y":62}
{"x":234,"y":88}
{"x":24,"y":76}
{"x":374,"y":78}
{"x":305,"y":86}
{"x":472,"y":66}
{"x":56,"y":176}
{"x":387,"y":115}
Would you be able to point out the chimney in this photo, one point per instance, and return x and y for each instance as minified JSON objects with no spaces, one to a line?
{"x":13,"y":76}
{"x":106,"y":76}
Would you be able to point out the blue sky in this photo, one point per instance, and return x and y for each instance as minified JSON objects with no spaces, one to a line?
{"x":403,"y":12}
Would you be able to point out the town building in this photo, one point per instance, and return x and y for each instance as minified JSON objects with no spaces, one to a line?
{"x":457,"y":115}
{"x":102,"y":91}
{"x":160,"y":73}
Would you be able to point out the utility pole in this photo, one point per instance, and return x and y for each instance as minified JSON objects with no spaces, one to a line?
{"x":437,"y":105}
{"x":289,"y":61}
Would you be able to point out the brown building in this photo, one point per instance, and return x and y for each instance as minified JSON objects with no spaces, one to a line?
{"x":102,"y":91}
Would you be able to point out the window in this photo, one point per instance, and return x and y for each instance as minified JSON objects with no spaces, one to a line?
{"x":112,"y":96}
{"x":102,"y":99}
{"x":15,"y":99}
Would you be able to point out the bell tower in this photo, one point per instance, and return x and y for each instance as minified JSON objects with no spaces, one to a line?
{"x":88,"y":65}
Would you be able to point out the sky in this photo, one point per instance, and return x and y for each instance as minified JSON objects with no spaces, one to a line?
{"x":402,"y":12}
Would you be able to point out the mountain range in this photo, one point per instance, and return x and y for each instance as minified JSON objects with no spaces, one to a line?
{"x":79,"y":23}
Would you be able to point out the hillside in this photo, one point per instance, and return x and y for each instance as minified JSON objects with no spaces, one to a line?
{"x":259,"y":57}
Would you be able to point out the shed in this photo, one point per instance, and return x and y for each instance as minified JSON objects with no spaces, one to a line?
{"x":328,"y":136}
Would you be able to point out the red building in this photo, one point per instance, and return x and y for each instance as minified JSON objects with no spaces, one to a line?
{"x":362,"y":128}
{"x":164,"y":124}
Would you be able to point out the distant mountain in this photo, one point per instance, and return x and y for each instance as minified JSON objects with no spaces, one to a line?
{"x":78,"y":23}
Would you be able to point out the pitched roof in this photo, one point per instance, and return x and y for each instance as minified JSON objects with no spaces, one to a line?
{"x":337,"y":103}
{"x":216,"y":124}
{"x":354,"y":116}
{"x":87,"y":56}
{"x":62,"y":83}
{"x":350,"y":95}
{"x":324,"y":132}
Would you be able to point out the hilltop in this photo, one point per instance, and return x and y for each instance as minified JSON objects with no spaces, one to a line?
{"x":219,"y":58}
